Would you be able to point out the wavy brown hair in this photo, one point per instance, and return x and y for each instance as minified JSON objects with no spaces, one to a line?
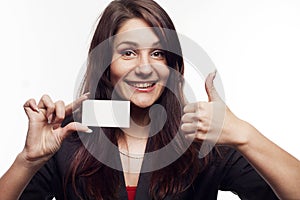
{"x":99,"y":180}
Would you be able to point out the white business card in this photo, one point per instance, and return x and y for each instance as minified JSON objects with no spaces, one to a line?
{"x":106,"y":113}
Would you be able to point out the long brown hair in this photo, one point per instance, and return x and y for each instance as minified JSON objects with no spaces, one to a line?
{"x":100,"y":181}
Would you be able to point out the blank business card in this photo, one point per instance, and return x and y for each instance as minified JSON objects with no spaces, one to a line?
{"x":106,"y":113}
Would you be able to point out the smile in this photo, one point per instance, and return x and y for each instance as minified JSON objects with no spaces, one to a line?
{"x":142,"y":86}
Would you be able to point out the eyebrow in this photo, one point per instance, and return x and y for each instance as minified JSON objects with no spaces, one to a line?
{"x":155,"y":44}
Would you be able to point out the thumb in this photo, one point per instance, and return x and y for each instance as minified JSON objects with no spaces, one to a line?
{"x":210,"y":88}
{"x":71,"y":127}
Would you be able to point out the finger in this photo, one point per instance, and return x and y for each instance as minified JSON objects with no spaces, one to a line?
{"x":187,"y":118}
{"x":192,"y":117}
{"x":189,"y":108}
{"x":76,"y":104}
{"x":194,"y":107}
{"x":47,"y":103}
{"x":190,"y":136}
{"x":59,"y":112}
{"x":210,"y":88}
{"x":198,"y":136}
{"x":31,"y":103}
{"x":194,"y":127}
{"x":71,"y":127}
{"x":188,"y":127}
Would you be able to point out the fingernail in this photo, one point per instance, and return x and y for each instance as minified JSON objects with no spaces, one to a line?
{"x":89,"y":131}
{"x":37,"y":109}
{"x":188,"y":137}
{"x":86,"y":94}
{"x":213,"y":73}
{"x":50,"y":118}
{"x":82,"y":128}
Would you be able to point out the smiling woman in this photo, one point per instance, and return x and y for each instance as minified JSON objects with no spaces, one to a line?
{"x":131,"y":57}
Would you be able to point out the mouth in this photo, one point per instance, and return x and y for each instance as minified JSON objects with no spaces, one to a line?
{"x":142,"y":86}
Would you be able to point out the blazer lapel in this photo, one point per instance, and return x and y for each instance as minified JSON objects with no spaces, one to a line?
{"x":122,"y":192}
{"x":142,"y":191}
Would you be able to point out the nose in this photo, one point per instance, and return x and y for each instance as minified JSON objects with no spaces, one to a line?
{"x":144,"y":68}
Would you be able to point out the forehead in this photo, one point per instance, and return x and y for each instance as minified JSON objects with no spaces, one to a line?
{"x":136,"y":31}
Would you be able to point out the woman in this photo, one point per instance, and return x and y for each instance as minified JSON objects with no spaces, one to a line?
{"x":56,"y":162}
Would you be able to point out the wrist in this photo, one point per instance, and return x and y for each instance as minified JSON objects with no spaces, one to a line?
{"x":32,"y":164}
{"x":247,"y":132}
{"x":239,"y":131}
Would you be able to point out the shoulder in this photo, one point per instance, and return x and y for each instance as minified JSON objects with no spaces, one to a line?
{"x":222,"y":161}
{"x":222,"y":156}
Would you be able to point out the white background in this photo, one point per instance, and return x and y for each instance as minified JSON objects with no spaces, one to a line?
{"x":254,"y":45}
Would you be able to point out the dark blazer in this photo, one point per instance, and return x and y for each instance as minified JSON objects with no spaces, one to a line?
{"x":231,"y":173}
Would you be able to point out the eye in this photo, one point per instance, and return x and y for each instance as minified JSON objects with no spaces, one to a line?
{"x":128,"y":53}
{"x":159,"y":54}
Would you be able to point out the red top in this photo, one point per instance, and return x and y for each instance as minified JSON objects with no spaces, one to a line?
{"x":131,"y":192}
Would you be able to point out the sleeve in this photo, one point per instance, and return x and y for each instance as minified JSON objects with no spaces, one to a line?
{"x":41,"y":186}
{"x":242,"y":179}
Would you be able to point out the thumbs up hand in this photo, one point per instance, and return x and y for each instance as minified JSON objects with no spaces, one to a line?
{"x":212,"y":120}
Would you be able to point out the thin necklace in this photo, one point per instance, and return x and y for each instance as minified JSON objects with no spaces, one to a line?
{"x":129,"y":156}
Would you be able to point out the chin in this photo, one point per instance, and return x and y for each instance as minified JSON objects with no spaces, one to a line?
{"x":142,"y":103}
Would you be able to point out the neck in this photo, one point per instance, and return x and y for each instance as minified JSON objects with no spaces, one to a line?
{"x":140,"y":116}
{"x":136,"y":136}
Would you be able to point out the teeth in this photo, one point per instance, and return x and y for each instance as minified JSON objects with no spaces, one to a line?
{"x":141,"y":85}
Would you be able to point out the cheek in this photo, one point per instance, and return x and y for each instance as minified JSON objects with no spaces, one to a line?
{"x":116,"y":73}
{"x":164,"y":74}
{"x":119,"y":69}
{"x":113,"y":76}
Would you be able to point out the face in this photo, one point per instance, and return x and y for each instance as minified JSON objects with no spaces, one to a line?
{"x":139,"y":68}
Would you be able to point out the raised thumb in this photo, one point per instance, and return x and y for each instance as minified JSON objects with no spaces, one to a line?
{"x":210,"y":88}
